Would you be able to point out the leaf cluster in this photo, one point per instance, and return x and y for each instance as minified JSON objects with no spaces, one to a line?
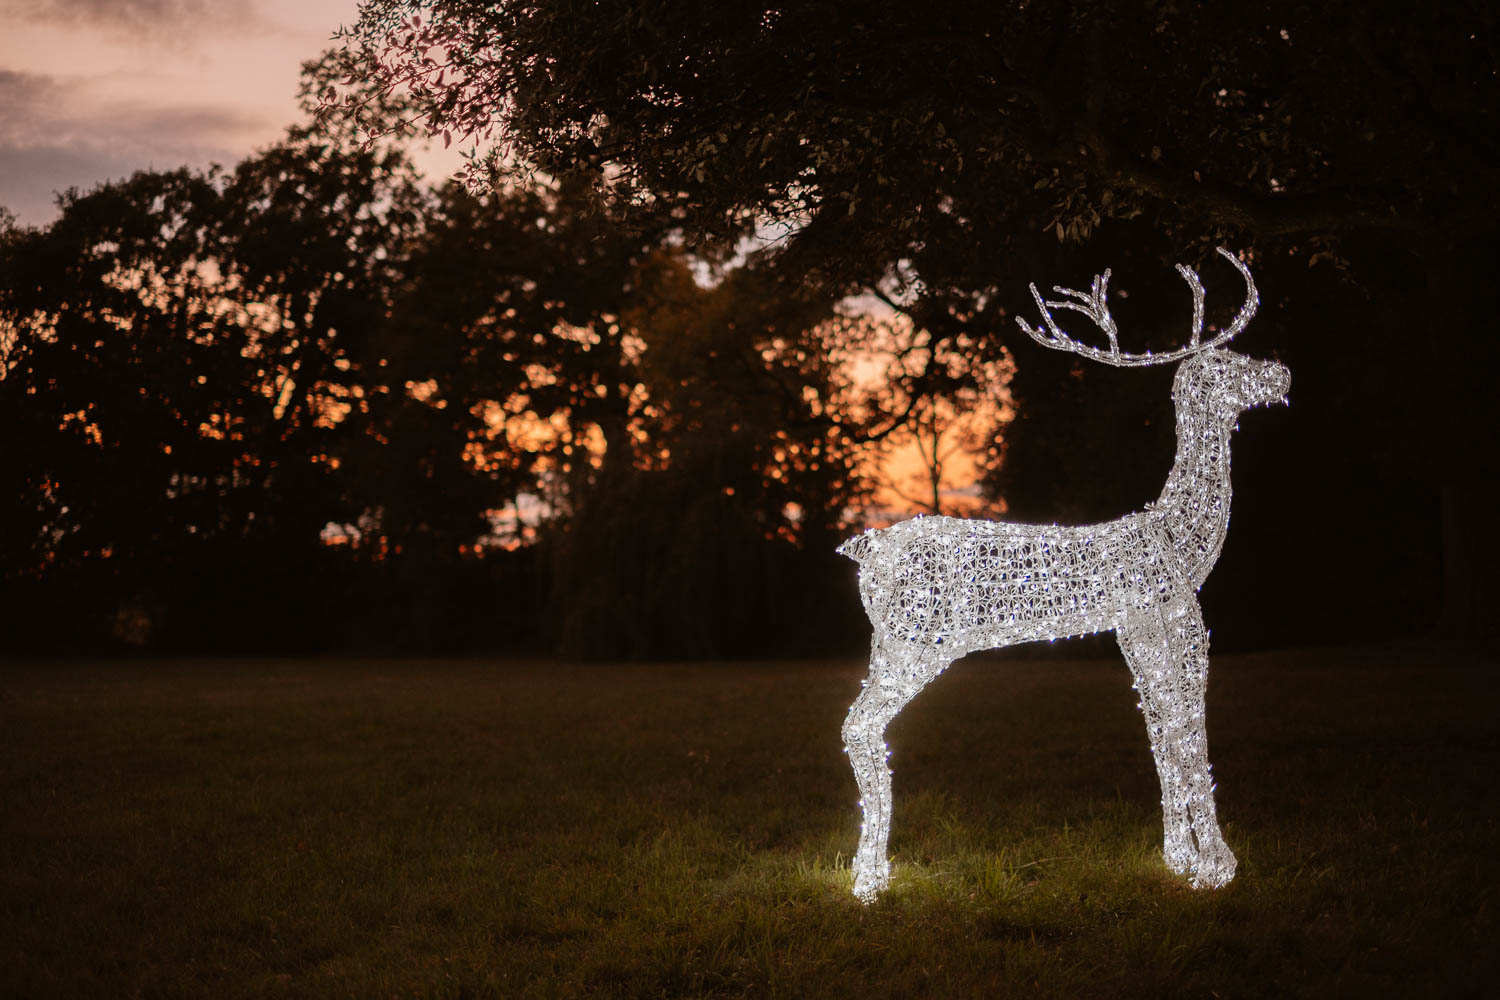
{"x":887,"y":124}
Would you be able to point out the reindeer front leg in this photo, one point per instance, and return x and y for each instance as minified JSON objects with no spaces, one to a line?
{"x":1167,"y":650}
{"x":897,"y":673}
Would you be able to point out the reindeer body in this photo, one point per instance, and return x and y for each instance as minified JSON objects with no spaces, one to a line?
{"x":1022,"y":581}
{"x":937,"y":588}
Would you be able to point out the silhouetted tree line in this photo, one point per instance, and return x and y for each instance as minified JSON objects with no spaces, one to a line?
{"x":308,"y":403}
{"x":951,"y":151}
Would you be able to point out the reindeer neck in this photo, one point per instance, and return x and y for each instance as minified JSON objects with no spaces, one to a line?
{"x":1194,"y":505}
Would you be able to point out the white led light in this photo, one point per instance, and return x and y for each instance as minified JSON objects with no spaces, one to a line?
{"x":937,"y":588}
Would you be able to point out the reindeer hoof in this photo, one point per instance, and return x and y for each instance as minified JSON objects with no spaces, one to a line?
{"x":1214,"y":869}
{"x":1180,"y":857}
{"x":870,"y":878}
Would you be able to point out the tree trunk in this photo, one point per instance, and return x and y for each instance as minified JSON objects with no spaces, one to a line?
{"x":1459,"y":420}
{"x":1471,"y":593}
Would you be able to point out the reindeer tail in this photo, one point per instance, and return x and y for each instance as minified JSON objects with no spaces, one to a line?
{"x":860,"y":547}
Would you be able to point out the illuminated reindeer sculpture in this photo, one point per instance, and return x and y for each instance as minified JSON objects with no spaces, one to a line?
{"x":936,"y":588}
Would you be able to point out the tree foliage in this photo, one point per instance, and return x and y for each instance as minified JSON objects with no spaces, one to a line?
{"x":945,"y":153}
{"x":896,"y":130}
{"x":305,"y":400}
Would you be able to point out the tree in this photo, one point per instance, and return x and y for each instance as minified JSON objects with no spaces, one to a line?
{"x":115,"y":364}
{"x":968,"y":147}
{"x":808,"y":113}
{"x":188,"y":372}
{"x":287,"y":403}
{"x":681,"y":429}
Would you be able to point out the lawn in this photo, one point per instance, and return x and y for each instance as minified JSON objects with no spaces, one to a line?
{"x":461,"y":828}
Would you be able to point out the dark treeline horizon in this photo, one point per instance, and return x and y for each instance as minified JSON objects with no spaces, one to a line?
{"x":308,"y":404}
{"x":254,"y":411}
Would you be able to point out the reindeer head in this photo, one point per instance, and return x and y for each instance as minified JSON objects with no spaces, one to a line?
{"x":1230,"y":383}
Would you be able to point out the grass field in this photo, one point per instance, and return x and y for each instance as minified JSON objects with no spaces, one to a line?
{"x":382,"y":828}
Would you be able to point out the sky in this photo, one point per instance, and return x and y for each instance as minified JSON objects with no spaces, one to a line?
{"x":92,"y":90}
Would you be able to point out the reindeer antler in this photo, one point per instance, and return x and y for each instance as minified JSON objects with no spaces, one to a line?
{"x":1093,"y":305}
